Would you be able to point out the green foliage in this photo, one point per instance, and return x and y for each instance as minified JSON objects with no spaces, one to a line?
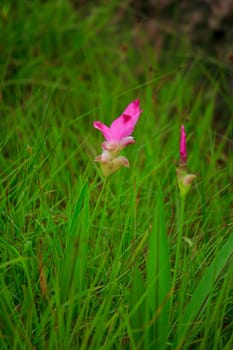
{"x":200,"y":298}
{"x":149,"y":299}
{"x":88,"y":263}
{"x":158,"y":279}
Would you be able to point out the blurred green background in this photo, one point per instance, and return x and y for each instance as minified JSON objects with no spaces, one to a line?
{"x":64,"y":64}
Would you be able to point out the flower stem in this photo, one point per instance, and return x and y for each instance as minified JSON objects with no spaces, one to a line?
{"x":179,"y":240}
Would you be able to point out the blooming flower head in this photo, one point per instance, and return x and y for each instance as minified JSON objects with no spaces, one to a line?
{"x":117,"y":136}
{"x":184,"y":179}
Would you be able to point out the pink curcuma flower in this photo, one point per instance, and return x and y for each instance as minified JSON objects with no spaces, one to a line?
{"x":184,"y":179}
{"x":117,"y":137}
{"x":183,"y":150}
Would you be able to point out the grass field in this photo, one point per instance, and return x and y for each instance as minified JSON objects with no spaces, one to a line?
{"x":123,"y":262}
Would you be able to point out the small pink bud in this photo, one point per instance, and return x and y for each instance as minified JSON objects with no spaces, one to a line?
{"x":184,"y":178}
{"x":183,"y":150}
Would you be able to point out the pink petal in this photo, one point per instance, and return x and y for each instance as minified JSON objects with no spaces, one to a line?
{"x":103,"y":158}
{"x":104,"y":129}
{"x":124,"y":125}
{"x":117,"y":146}
{"x":126,"y":141}
{"x":106,"y":146}
{"x":121,"y":161}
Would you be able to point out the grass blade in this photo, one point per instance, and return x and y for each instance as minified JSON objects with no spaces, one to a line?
{"x":158,"y":279}
{"x":198,"y":301}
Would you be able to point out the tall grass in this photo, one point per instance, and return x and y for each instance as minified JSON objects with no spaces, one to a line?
{"x":90,"y":263}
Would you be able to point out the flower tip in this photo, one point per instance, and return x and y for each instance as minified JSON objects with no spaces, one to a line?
{"x":137,"y":105}
{"x":183,"y":134}
{"x":124,"y":161}
{"x":95,"y":124}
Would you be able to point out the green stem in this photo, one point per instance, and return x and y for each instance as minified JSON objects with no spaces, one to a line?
{"x":179,"y":241}
{"x":103,"y":192}
{"x":99,"y":197}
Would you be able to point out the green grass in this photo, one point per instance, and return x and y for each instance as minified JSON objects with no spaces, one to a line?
{"x":89,"y":263}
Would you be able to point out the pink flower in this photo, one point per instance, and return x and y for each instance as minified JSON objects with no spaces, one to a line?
{"x":117,"y":136}
{"x":183,"y":150}
{"x":184,"y":179}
